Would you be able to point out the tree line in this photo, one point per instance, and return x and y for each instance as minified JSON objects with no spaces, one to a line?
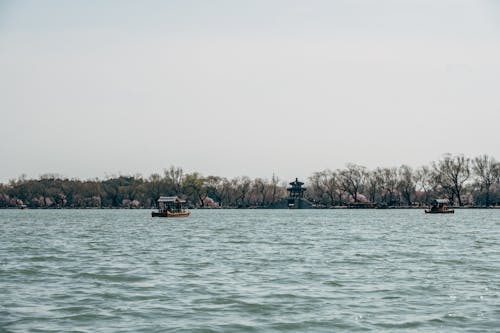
{"x":463,"y":180}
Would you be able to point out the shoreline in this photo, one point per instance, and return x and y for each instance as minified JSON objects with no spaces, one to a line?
{"x":250,"y":208}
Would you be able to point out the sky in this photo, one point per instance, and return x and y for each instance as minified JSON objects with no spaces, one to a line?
{"x":230,"y":88}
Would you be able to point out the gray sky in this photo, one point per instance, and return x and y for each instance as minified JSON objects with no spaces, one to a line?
{"x":92,"y":88}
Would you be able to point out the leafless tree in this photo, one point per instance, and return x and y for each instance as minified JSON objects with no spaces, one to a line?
{"x":241,"y":188}
{"x":424,"y":182}
{"x":154,"y":186}
{"x":315,"y":191}
{"x":389,"y":180}
{"x":175,"y":176}
{"x":352,"y":179}
{"x":406,"y":184}
{"x":215,"y":188}
{"x":326,"y":184}
{"x":225,"y":190}
{"x":486,"y":170}
{"x":194,"y":186}
{"x":258,"y":192}
{"x":276,"y":191}
{"x":453,"y":172}
{"x":373,"y":184}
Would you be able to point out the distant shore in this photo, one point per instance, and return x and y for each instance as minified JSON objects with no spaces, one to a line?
{"x":461,"y":181}
{"x":247,"y":208}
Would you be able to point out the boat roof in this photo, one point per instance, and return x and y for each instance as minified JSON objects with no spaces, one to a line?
{"x":170,"y":199}
{"x":443,"y":201}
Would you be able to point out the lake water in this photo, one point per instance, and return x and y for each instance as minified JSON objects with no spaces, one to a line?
{"x":249,"y":271}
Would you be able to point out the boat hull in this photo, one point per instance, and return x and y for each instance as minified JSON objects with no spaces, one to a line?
{"x":169,"y":214}
{"x":451,"y":211}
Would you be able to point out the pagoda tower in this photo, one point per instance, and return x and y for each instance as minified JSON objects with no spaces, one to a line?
{"x":296,"y":195}
{"x":296,"y":190}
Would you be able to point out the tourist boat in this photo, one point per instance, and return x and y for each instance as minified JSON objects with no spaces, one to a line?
{"x":439,"y":206}
{"x":170,"y":207}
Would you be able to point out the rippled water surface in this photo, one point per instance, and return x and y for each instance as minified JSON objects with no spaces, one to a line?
{"x":249,"y":271}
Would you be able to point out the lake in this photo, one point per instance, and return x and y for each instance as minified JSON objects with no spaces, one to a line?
{"x":249,"y":271}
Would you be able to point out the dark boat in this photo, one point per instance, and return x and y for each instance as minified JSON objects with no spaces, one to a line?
{"x":170,"y":207}
{"x":439,"y":206}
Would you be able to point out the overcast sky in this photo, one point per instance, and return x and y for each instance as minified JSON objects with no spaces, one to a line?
{"x":94,"y":88}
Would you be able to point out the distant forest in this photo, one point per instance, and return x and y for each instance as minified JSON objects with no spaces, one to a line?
{"x":465,"y":181}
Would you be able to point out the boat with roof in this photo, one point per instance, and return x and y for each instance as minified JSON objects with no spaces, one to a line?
{"x":439,"y":206}
{"x":171,"y":207}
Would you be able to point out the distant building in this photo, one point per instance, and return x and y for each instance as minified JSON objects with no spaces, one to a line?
{"x":295,"y":198}
{"x":296,"y":194}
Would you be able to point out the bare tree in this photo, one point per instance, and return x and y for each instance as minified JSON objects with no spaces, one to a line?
{"x":258,"y":192}
{"x":326,"y":184}
{"x":352,"y":178}
{"x":194,"y":186}
{"x":389,"y":185}
{"x":276,"y":191}
{"x":373,"y":184}
{"x":424,"y":182}
{"x":175,"y":176}
{"x":225,"y":190}
{"x":241,"y":188}
{"x":154,"y":186}
{"x":315,"y":191}
{"x":486,"y":169}
{"x":453,"y":172}
{"x":215,"y":188}
{"x":406,"y":184}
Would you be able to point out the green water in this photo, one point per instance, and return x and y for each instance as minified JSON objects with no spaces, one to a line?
{"x":249,"y":271}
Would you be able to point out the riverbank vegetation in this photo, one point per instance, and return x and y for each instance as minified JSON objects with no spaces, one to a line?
{"x":465,"y":181}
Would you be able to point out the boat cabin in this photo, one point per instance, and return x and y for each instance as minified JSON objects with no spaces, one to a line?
{"x":439,"y":206}
{"x":171,"y":207}
{"x":171,"y":204}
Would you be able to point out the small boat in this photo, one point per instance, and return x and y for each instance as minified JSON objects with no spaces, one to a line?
{"x":439,"y":206}
{"x":170,"y":207}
